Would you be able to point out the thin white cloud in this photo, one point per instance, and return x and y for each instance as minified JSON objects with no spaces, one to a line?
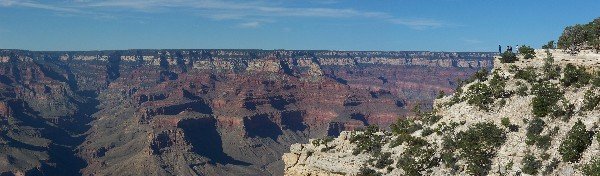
{"x":221,"y":10}
{"x":253,"y":24}
{"x":471,"y":41}
{"x":418,"y":23}
{"x":36,"y":5}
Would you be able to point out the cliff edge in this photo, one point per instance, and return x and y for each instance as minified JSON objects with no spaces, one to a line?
{"x":535,"y":116}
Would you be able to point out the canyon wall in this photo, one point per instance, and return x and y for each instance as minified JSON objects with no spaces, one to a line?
{"x":202,"y":112}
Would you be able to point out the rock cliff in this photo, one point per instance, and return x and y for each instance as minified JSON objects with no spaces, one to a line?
{"x":201,"y":112}
{"x":536,"y":116}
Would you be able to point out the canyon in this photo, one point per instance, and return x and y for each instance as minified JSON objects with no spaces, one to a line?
{"x":203,"y":112}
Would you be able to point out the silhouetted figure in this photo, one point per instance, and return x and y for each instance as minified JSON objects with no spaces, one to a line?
{"x":499,"y":48}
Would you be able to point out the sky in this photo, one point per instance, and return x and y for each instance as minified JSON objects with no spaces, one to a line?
{"x":364,"y":25}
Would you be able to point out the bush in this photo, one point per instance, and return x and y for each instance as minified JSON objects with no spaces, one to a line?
{"x":480,"y":95}
{"x":551,"y":166}
{"x":505,"y":121}
{"x":404,"y":126}
{"x":477,"y":145}
{"x":596,"y":79}
{"x":480,"y":75}
{"x":384,"y":160}
{"x":441,"y":94}
{"x":544,"y":142}
{"x":551,"y":71}
{"x":578,"y":139}
{"x":430,"y":118}
{"x":528,"y":74}
{"x":365,"y":171}
{"x":576,"y":76}
{"x":508,"y":57}
{"x":426,"y":132}
{"x":497,"y":85}
{"x":534,"y":128}
{"x":418,"y":157}
{"x":564,"y":109}
{"x":549,"y":45}
{"x":522,"y":90}
{"x":590,"y":100}
{"x":456,"y":98}
{"x":527,"y":51}
{"x":592,"y":168}
{"x":531,"y":164}
{"x":580,"y":37}
{"x":368,"y":141}
{"x":546,"y":97}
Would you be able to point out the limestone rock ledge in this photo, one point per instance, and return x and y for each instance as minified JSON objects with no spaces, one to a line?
{"x":310,"y":159}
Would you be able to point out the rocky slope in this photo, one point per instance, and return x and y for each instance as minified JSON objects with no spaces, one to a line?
{"x":201,"y":112}
{"x":534,"y":117}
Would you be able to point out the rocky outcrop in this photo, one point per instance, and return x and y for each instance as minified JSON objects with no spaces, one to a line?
{"x":436,"y":143}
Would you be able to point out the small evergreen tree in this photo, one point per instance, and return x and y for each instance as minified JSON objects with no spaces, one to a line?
{"x":549,"y":45}
{"x":527,"y":51}
{"x":508,"y":57}
{"x":577,"y":76}
{"x":578,"y":139}
{"x":546,"y":97}
{"x":531,"y":164}
{"x":480,"y":95}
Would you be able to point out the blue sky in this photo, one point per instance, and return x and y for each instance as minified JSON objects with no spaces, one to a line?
{"x":440,"y":25}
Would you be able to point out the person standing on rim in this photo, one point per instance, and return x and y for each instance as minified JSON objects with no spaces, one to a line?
{"x":500,"y":49}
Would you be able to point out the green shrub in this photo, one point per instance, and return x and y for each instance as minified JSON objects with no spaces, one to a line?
{"x":551,"y":71}
{"x":456,"y":98}
{"x":323,"y":141}
{"x":404,"y":126}
{"x":418,"y":157}
{"x":577,"y":76}
{"x":505,"y":121}
{"x":565,"y":110}
{"x":545,"y":156}
{"x":596,"y":79}
{"x":522,"y":90}
{"x":508,"y":57}
{"x":365,"y":171}
{"x":592,"y":168}
{"x":384,"y":160}
{"x":544,"y":142}
{"x":477,"y":145}
{"x":577,"y":140}
{"x":511,"y":127}
{"x":480,"y":95}
{"x":549,"y":45}
{"x":590,"y":100}
{"x":480,"y":75}
{"x":546,"y":97}
{"x":577,"y":37}
{"x":531,"y":164}
{"x":368,"y":141}
{"x":449,"y":160}
{"x":534,"y":128}
{"x":497,"y":85}
{"x":528,"y":74}
{"x":441,"y":94}
{"x":551,"y":166}
{"x":527,"y":51}
{"x":426,"y":132}
{"x":430,"y":118}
